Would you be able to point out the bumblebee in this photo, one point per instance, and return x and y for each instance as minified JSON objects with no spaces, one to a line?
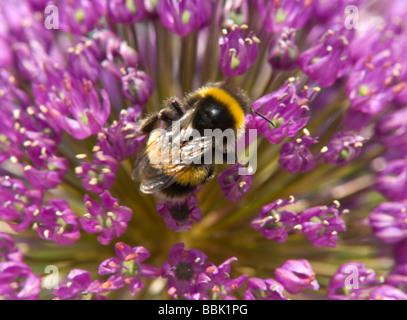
{"x":214,"y":106}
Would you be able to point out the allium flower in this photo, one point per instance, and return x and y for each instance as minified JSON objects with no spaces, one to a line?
{"x":267,"y":289}
{"x":392,"y":180}
{"x":286,"y":108}
{"x":331,"y":49}
{"x":322,"y":212}
{"x":237,"y":51}
{"x":18,"y":282}
{"x":57,"y":222}
{"x":8,"y":249}
{"x":297,"y":275}
{"x":343,"y":147}
{"x":295,"y":155}
{"x":75,"y":286}
{"x":221,"y":284}
{"x":274,"y":221}
{"x":80,"y":16}
{"x":284,"y":52}
{"x":233,"y":185}
{"x":353,"y":281}
{"x":183,"y":16}
{"x":137,"y":86}
{"x":284,"y":13}
{"x":126,"y":11}
{"x":179,"y":216}
{"x":185,"y":270}
{"x":322,"y":224}
{"x":127,"y":268}
{"x":389,"y":221}
{"x":110,"y":219}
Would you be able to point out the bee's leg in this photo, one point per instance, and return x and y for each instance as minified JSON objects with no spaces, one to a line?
{"x":172,"y":111}
{"x":147,"y":125}
{"x":211,"y":173}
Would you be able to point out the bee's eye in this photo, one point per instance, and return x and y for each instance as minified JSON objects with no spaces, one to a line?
{"x":212,"y":114}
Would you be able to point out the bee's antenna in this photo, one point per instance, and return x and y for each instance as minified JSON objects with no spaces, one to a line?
{"x":263,"y":116}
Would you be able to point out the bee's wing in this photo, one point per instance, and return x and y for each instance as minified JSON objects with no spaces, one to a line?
{"x":158,"y":175}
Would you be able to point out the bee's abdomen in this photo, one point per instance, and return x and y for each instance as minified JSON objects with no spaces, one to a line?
{"x":189,"y":181}
{"x":177,"y":191}
{"x":194,"y":176}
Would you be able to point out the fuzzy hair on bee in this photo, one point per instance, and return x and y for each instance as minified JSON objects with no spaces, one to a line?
{"x":213,"y":106}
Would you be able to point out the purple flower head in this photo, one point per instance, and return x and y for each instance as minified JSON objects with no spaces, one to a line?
{"x":277,"y":14}
{"x":235,"y":12}
{"x":264,"y":289}
{"x":374,"y":81}
{"x":109,"y":218}
{"x":325,"y":10}
{"x":118,"y":54}
{"x":31,"y":59}
{"x":322,"y":224}
{"x":237,"y":51}
{"x":39,"y":147}
{"x":328,"y":58}
{"x":274,"y":221}
{"x":351,"y":282}
{"x":18,"y":282}
{"x":84,"y":60}
{"x":21,"y":24}
{"x":386,"y":292}
{"x":79,"y":16}
{"x":49,"y":175}
{"x":392,"y":180}
{"x":127,"y":268}
{"x":179,"y":216}
{"x":74,"y":105}
{"x":296,"y":275}
{"x":120,"y":140}
{"x":184,"y":16}
{"x":343,"y":148}
{"x":57,"y":223}
{"x":24,"y":135}
{"x":126,"y":11}
{"x":8,"y":249}
{"x":295,"y":155}
{"x":18,"y":203}
{"x":389,"y":221}
{"x":137,"y":86}
{"x":398,"y":277}
{"x":220,"y":284}
{"x":391,"y":129}
{"x":233,"y":185}
{"x":78,"y":281}
{"x":284,"y":51}
{"x":185,"y":270}
{"x":98,"y":175}
{"x":288,"y":111}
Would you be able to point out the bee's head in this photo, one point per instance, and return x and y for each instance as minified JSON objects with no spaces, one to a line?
{"x":210,"y":114}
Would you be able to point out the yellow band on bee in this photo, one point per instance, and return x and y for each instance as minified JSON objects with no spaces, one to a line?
{"x":193,"y":177}
{"x":226,"y":99}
